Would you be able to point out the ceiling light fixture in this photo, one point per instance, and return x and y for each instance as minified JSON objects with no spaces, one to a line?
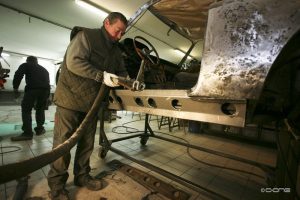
{"x":5,"y":54}
{"x":88,"y":5}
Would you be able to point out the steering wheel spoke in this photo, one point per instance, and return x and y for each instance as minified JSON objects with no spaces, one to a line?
{"x":145,"y":54}
{"x":150,"y":59}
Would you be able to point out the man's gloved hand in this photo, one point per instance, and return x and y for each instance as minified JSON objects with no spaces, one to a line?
{"x":16,"y":93}
{"x":110,"y":79}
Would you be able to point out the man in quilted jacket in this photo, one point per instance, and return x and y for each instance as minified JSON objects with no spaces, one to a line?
{"x":91,"y":59}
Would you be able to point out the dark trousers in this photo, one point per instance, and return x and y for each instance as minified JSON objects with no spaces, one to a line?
{"x":66,"y":123}
{"x":38,"y":99}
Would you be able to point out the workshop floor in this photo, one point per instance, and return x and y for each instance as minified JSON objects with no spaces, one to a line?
{"x":165,"y":155}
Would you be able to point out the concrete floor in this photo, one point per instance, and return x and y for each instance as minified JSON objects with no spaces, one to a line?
{"x":168,"y":156}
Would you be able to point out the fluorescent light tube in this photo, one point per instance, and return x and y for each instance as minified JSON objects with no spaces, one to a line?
{"x":91,"y":8}
{"x":5,"y":54}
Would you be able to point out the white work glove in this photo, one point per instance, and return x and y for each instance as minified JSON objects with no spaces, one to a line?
{"x":108,"y":79}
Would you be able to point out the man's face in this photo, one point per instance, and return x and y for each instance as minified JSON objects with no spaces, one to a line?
{"x":115,"y":30}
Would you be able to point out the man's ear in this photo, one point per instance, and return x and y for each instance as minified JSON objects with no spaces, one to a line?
{"x":106,"y":22}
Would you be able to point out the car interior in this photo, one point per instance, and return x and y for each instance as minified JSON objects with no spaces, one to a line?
{"x":160,"y":75}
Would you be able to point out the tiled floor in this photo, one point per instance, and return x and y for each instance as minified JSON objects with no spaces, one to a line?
{"x":195,"y":166}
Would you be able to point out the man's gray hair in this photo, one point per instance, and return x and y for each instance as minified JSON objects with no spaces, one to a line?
{"x":114,"y":16}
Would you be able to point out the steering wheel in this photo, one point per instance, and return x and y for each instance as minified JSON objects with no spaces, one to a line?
{"x":144,"y":53}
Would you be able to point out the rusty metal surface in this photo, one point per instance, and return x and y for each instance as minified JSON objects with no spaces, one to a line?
{"x":187,"y":17}
{"x":242,"y":41}
{"x":176,"y":103}
{"x":150,"y":181}
{"x":139,"y":12}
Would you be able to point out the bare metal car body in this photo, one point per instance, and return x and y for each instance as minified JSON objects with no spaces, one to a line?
{"x":243,"y":40}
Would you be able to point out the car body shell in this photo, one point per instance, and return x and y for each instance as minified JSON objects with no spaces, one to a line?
{"x":242,"y":40}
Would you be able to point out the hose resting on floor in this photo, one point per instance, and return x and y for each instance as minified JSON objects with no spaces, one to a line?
{"x":23,"y":168}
